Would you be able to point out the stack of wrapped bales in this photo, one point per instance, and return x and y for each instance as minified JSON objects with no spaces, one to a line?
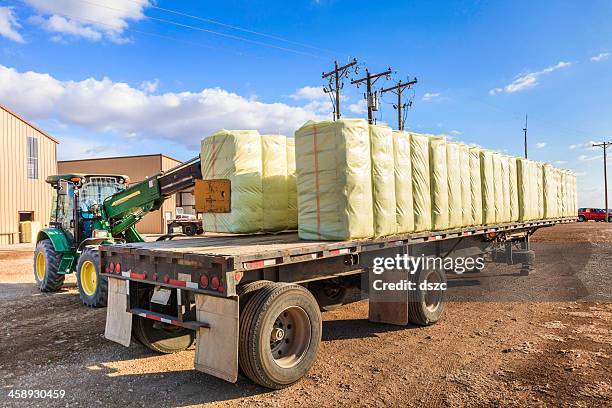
{"x":455,"y":197}
{"x":383,"y":180}
{"x":261,"y":170}
{"x":439,"y":183}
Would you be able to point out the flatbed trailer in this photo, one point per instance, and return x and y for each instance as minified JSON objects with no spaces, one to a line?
{"x":253,"y":301}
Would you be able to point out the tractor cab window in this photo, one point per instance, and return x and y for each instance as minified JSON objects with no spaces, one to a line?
{"x":64,"y":208}
{"x":96,"y":190}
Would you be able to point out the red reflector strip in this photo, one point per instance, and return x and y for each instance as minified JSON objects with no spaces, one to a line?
{"x":339,"y":251}
{"x":259,"y":263}
{"x":135,"y":275}
{"x":177,"y":282}
{"x":158,"y":318}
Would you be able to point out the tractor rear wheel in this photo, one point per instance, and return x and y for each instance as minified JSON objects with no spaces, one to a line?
{"x":46,"y":267}
{"x":93,"y":288}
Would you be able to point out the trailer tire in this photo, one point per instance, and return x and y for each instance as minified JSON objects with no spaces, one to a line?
{"x":189,"y":230}
{"x":93,"y":288}
{"x":329,"y":295}
{"x":581,"y":218}
{"x":161,"y":340}
{"x":280,"y":333}
{"x":46,"y":267}
{"x":246,"y":290}
{"x":426,"y":307}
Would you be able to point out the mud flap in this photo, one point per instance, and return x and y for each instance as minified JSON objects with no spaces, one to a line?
{"x":118,"y":320}
{"x":217,"y":345}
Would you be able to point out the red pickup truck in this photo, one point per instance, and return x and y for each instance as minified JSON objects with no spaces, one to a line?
{"x":593,"y":214}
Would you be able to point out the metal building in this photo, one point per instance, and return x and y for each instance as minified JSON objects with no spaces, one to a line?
{"x":27,"y":156}
{"x":137,"y":168}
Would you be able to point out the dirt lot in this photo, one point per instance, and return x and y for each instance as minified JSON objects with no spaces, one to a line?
{"x":553,"y":348}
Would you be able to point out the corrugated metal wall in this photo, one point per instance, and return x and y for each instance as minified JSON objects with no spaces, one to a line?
{"x":137,"y":168}
{"x":17,"y":191}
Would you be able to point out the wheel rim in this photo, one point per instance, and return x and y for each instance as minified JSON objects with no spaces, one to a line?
{"x":290,"y":337}
{"x":433,"y":297}
{"x":40,"y":266}
{"x":88,"y":277}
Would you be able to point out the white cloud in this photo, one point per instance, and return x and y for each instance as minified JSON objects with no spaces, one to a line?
{"x":528,"y":80}
{"x":560,"y":162}
{"x":309,"y":93}
{"x":91,"y":20}
{"x":9,"y":25}
{"x":431,"y":96}
{"x":72,"y":148}
{"x":600,"y":57}
{"x":150,"y":86}
{"x":455,"y":132}
{"x":584,"y":157}
{"x":588,"y":145}
{"x":540,"y":145}
{"x":183,"y":117}
{"x":359,"y":107}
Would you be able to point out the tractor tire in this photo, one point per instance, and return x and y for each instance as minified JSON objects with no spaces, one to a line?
{"x":329,"y":295}
{"x":280,"y":334}
{"x":46,"y":267}
{"x":93,"y":288}
{"x":161,"y":338}
{"x":426,"y":307}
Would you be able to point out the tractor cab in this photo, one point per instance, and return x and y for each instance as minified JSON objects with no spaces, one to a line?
{"x":77,"y":202}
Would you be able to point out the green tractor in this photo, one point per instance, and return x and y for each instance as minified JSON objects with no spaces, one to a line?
{"x":93,"y":209}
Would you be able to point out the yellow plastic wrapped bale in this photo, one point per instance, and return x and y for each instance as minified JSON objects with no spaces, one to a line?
{"x":487,"y":176}
{"x":421,"y":184}
{"x":560,"y":201}
{"x":28,"y":230}
{"x":501,"y":189}
{"x":334,"y":180}
{"x":455,"y":202}
{"x":540,"y":186}
{"x":292,"y":216}
{"x":466,"y":192}
{"x":235,"y":155}
{"x":527,"y":188}
{"x":550,"y":191}
{"x":513,"y":190}
{"x":403,"y":182}
{"x":439,"y":183}
{"x":475,"y":187}
{"x":383,"y":180}
{"x":274,"y":182}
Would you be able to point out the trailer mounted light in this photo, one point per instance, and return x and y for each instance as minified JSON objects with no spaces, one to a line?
{"x":204,"y":281}
{"x":214,"y":283}
{"x":111,"y":266}
{"x":117,"y":267}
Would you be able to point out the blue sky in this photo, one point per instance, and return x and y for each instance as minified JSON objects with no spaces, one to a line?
{"x":126,"y":77}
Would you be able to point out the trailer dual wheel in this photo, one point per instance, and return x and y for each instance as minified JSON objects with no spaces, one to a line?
{"x":329,"y":294}
{"x":93,"y":288}
{"x":426,"y":306}
{"x":280,"y":333}
{"x":160,"y":337}
{"x":46,"y":267}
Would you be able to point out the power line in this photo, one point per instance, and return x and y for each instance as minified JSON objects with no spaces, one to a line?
{"x":371,"y":97}
{"x":335,"y":83}
{"x":171,"y":22}
{"x":397,"y":90}
{"x":605,"y":146}
{"x":235,"y":27}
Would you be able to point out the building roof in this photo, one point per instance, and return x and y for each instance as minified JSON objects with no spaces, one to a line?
{"x":29,"y":124}
{"x":121,"y":157}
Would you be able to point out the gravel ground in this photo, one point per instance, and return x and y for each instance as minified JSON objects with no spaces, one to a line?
{"x":550,"y":345}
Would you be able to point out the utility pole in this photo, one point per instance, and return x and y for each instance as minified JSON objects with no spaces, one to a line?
{"x":398,"y":89}
{"x":605,"y":146}
{"x":525,"y":131}
{"x":371,"y":98}
{"x":335,"y":84}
